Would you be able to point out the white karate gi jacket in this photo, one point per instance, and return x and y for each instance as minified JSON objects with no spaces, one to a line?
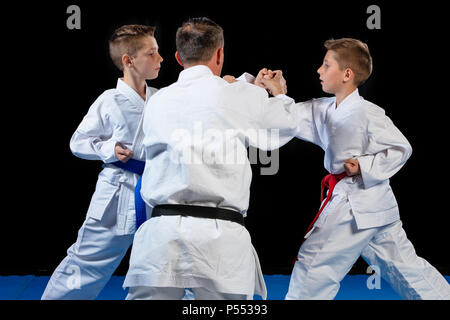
{"x":195,"y":114}
{"x":115,"y":117}
{"x":358,"y":129}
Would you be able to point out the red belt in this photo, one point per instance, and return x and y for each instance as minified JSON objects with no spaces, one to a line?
{"x":330,"y":182}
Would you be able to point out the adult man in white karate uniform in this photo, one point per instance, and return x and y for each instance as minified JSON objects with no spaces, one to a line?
{"x":197,"y":175}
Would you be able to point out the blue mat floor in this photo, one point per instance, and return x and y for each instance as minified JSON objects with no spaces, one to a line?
{"x":353,"y":287}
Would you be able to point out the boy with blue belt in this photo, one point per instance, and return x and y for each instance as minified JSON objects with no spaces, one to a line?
{"x":110,"y":132}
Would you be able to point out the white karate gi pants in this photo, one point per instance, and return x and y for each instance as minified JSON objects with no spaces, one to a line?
{"x":172,"y":293}
{"x":332,"y":248}
{"x":90,"y":261}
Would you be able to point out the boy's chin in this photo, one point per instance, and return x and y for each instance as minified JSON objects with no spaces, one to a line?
{"x":327,"y":90}
{"x":152,"y":77}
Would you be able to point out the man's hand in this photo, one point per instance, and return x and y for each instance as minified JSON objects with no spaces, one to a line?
{"x":273,"y":81}
{"x":263,"y":74}
{"x":229,"y":79}
{"x":351,"y":167}
{"x":123,"y":154}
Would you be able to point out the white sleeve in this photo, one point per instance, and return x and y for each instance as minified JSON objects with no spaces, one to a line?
{"x":310,"y":120}
{"x":247,"y":77}
{"x":278,"y":122}
{"x":267,"y":122}
{"x":310,"y":117}
{"x":278,"y":114}
{"x":386,"y":153}
{"x":93,"y":139}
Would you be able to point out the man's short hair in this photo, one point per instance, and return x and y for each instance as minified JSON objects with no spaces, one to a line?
{"x":197,"y":40}
{"x":353,"y":54}
{"x":128,"y":40}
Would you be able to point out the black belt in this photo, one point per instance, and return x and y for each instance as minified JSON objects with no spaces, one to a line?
{"x":197,"y":211}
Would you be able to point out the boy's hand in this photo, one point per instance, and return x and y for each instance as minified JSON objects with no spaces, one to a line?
{"x":122,"y":153}
{"x":229,"y":79}
{"x":351,"y":167}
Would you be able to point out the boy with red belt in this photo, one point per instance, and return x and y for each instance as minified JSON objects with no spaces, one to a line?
{"x":360,"y":216}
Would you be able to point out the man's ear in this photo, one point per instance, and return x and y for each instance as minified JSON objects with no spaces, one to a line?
{"x":219,"y":56}
{"x":177,"y":57}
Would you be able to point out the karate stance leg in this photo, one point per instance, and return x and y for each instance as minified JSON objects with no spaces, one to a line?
{"x":409,"y":275}
{"x":328,"y":254}
{"x":90,"y":261}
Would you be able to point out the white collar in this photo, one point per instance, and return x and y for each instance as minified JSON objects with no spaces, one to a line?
{"x":194,"y":72}
{"x":130,"y":93}
{"x":350,"y":99}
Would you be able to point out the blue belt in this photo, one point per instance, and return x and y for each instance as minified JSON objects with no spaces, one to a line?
{"x":132,"y":165}
{"x":137,"y":167}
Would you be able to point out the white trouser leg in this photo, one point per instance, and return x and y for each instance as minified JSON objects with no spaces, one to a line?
{"x":90,"y":261}
{"x":409,"y":275}
{"x":328,"y":254}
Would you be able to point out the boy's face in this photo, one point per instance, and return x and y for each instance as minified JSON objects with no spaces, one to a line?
{"x":147,"y":61}
{"x":332,"y":78}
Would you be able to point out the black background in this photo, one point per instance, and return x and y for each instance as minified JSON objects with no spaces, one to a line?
{"x":54,"y":74}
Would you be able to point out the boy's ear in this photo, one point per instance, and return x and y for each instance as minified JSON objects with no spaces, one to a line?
{"x":127,"y":61}
{"x":177,"y":57}
{"x":348,"y":75}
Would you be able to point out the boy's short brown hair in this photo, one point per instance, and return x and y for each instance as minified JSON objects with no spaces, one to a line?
{"x":353,"y":54}
{"x":127,"y":40}
{"x":197,"y":39}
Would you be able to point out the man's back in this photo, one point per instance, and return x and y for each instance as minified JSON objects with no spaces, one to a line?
{"x":197,"y":131}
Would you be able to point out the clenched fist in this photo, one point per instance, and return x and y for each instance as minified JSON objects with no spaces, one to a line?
{"x":351,"y":167}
